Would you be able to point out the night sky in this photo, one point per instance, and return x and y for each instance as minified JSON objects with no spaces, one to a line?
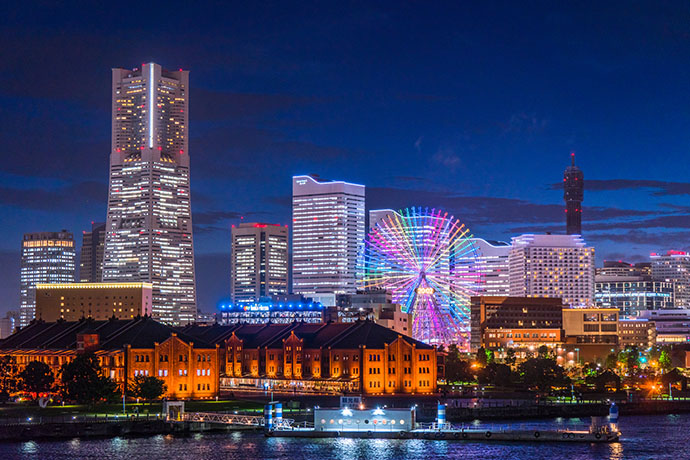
{"x":474,"y":109}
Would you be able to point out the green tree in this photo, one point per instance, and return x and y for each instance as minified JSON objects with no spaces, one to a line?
{"x":9,"y":378}
{"x":543,"y":352}
{"x":495,"y":374}
{"x":83,"y":382}
{"x":665,"y":361}
{"x":147,"y":388}
{"x":611,"y":361}
{"x":482,"y":356}
{"x":510,"y":357}
{"x":457,"y":369}
{"x":37,"y":377}
{"x":542,"y":374}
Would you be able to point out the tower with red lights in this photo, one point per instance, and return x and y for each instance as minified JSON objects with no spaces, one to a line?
{"x":573,"y":193}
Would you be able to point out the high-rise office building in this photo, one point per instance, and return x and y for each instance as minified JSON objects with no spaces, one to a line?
{"x":91,"y":259}
{"x":149,"y":225}
{"x":674,"y":266}
{"x":573,"y":193}
{"x":259,"y":266}
{"x":47,"y":257}
{"x":559,"y":266}
{"x":327,"y":235}
{"x":630,"y":288}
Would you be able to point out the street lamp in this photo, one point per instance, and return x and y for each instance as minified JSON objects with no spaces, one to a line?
{"x":578,"y":355}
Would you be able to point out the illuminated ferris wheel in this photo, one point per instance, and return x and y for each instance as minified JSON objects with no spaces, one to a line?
{"x":426,"y":259}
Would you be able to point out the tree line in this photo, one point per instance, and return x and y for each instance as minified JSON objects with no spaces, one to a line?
{"x":80,"y":380}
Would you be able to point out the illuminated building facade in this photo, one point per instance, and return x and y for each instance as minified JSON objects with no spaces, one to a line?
{"x":47,"y":257}
{"x":272,"y":310}
{"x":630,"y":288}
{"x":516,"y":322}
{"x":125,"y":349}
{"x":259,"y":266}
{"x":100,"y":301}
{"x":492,"y":262}
{"x":674,"y":266}
{"x":360,"y":357}
{"x":91,"y":258}
{"x":149,"y":225}
{"x":560,"y":266}
{"x":327,"y":235}
{"x":638,"y":332}
{"x":573,"y":194}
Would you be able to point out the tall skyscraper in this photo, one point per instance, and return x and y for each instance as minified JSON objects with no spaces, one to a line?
{"x":91,"y":259}
{"x":149,"y":225}
{"x":327,"y":235}
{"x":559,"y":266}
{"x":573,"y":193}
{"x":674,"y":266}
{"x":47,"y":257}
{"x":259,"y":265}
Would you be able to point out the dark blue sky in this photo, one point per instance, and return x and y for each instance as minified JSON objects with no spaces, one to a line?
{"x":474,"y":109}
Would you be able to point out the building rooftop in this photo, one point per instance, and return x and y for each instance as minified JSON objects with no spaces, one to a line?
{"x":141,"y":332}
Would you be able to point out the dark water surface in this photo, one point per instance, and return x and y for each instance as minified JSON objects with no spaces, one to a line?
{"x":644,"y":437}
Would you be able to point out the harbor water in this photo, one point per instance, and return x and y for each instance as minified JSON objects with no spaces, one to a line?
{"x":644,"y":437}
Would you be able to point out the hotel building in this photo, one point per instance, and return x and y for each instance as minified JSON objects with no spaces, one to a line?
{"x":149,"y":225}
{"x":560,"y":266}
{"x":100,"y":301}
{"x":47,"y":257}
{"x":492,"y":261}
{"x":327,"y":235}
{"x":259,"y":265}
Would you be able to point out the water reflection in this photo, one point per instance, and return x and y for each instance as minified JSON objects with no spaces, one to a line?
{"x":658,"y":438}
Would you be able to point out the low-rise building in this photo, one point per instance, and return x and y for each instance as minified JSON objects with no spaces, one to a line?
{"x":590,"y":332}
{"x":188,"y":366}
{"x":100,"y":301}
{"x":637,"y":332}
{"x":518,"y":322}
{"x":276,"y":310}
{"x":672,"y":326}
{"x":361,"y":357}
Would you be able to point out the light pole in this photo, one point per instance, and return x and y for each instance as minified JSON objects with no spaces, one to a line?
{"x":578,"y":356}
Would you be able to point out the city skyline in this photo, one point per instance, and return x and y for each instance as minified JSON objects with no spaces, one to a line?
{"x":419,"y":140}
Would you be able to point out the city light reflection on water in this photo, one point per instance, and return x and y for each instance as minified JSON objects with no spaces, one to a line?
{"x":657,"y":437}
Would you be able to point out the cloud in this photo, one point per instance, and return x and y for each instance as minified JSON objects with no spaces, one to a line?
{"x":447,"y":158}
{"x":658,"y":188}
{"x":73,"y":196}
{"x":224,"y":105}
{"x":206,"y":221}
{"x":418,"y":144}
{"x":658,"y":240}
{"x":522,"y":122}
{"x":488,"y":210}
